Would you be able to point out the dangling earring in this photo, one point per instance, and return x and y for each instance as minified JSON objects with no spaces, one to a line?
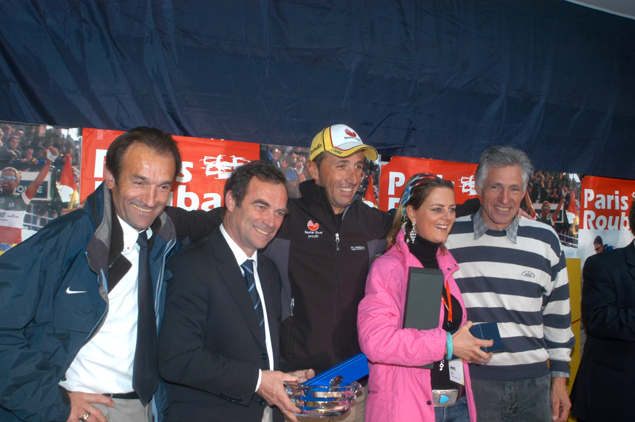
{"x":413,"y":233}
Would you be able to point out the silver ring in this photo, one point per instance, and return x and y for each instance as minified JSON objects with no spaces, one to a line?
{"x":85,"y":417}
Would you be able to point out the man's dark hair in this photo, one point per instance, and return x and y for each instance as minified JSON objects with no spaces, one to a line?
{"x":156,"y":139}
{"x":290,"y":159}
{"x":598,"y":239}
{"x":321,"y":157}
{"x":241,"y":176}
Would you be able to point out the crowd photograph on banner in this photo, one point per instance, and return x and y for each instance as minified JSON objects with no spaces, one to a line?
{"x":553,"y":199}
{"x":39,"y":177}
{"x":292,"y":162}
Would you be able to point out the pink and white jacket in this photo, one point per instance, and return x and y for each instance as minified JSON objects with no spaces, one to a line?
{"x":398,"y":390}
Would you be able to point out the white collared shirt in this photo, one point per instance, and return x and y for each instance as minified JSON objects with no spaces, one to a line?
{"x":241,"y":257}
{"x":105,"y":363}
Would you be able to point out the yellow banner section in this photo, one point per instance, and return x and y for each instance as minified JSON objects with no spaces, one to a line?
{"x":575,"y":291}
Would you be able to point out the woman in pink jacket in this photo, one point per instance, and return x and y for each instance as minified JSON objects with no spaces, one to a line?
{"x":398,"y":388}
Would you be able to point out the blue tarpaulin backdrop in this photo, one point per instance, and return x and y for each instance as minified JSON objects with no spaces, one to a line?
{"x":439,"y":79}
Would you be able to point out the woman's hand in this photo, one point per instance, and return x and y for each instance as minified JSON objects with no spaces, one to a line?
{"x":468,"y":347}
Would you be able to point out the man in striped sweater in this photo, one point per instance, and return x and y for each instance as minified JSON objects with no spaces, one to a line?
{"x":513,"y":272}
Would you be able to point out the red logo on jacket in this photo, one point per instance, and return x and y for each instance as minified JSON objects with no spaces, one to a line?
{"x":312,"y":226}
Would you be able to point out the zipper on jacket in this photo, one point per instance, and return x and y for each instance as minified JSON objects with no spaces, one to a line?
{"x":337,"y":282}
{"x":292,"y":329}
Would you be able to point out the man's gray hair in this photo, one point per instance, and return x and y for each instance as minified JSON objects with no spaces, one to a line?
{"x":503,"y":156}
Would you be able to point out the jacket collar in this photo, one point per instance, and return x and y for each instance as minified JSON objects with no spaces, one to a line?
{"x":99,"y":205}
{"x":118,"y":265}
{"x":314,"y":194}
{"x":104,"y":248}
{"x":316,"y":198}
{"x":230,"y":273}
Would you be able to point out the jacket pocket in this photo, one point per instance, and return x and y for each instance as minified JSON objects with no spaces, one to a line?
{"x":608,"y":365}
{"x":74,"y":309}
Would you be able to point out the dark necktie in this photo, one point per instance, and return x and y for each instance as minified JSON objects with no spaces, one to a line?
{"x":145,"y":376}
{"x":248,"y":268}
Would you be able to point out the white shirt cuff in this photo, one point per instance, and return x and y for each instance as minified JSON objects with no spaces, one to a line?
{"x":259,"y":379}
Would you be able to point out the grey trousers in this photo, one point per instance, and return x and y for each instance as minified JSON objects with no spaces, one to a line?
{"x":126,"y":411}
{"x":525,"y":400}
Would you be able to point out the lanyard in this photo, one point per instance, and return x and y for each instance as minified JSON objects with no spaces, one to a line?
{"x":448,"y":305}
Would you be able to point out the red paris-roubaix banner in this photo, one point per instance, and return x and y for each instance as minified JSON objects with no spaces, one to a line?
{"x":396,"y":173}
{"x":604,"y":207}
{"x":207,"y":164}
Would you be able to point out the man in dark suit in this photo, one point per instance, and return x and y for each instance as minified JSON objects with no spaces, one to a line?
{"x":219,"y":344}
{"x":606,"y":378}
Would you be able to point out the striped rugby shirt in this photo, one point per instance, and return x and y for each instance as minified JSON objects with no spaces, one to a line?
{"x":518,"y":278}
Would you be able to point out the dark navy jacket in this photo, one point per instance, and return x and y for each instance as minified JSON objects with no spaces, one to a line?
{"x":42,"y":327}
{"x":323,"y":265}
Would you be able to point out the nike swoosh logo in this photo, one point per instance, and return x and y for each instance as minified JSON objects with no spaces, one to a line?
{"x":74,"y":292}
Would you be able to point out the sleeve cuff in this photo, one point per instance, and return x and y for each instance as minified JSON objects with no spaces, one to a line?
{"x":66,"y":399}
{"x":259,"y":380}
{"x":556,"y":374}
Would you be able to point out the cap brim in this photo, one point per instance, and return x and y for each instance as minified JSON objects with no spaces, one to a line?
{"x":369,"y":152}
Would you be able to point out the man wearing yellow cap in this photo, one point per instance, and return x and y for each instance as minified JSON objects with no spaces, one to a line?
{"x":323,"y":251}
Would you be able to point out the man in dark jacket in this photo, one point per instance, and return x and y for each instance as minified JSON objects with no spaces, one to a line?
{"x":323,"y":251}
{"x":606,"y":376}
{"x":220,"y":342}
{"x":73,"y":295}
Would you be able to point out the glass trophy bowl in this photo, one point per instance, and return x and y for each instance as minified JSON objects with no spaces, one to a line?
{"x":322,"y":401}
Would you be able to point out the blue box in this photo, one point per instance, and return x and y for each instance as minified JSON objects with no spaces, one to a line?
{"x":350,"y":370}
